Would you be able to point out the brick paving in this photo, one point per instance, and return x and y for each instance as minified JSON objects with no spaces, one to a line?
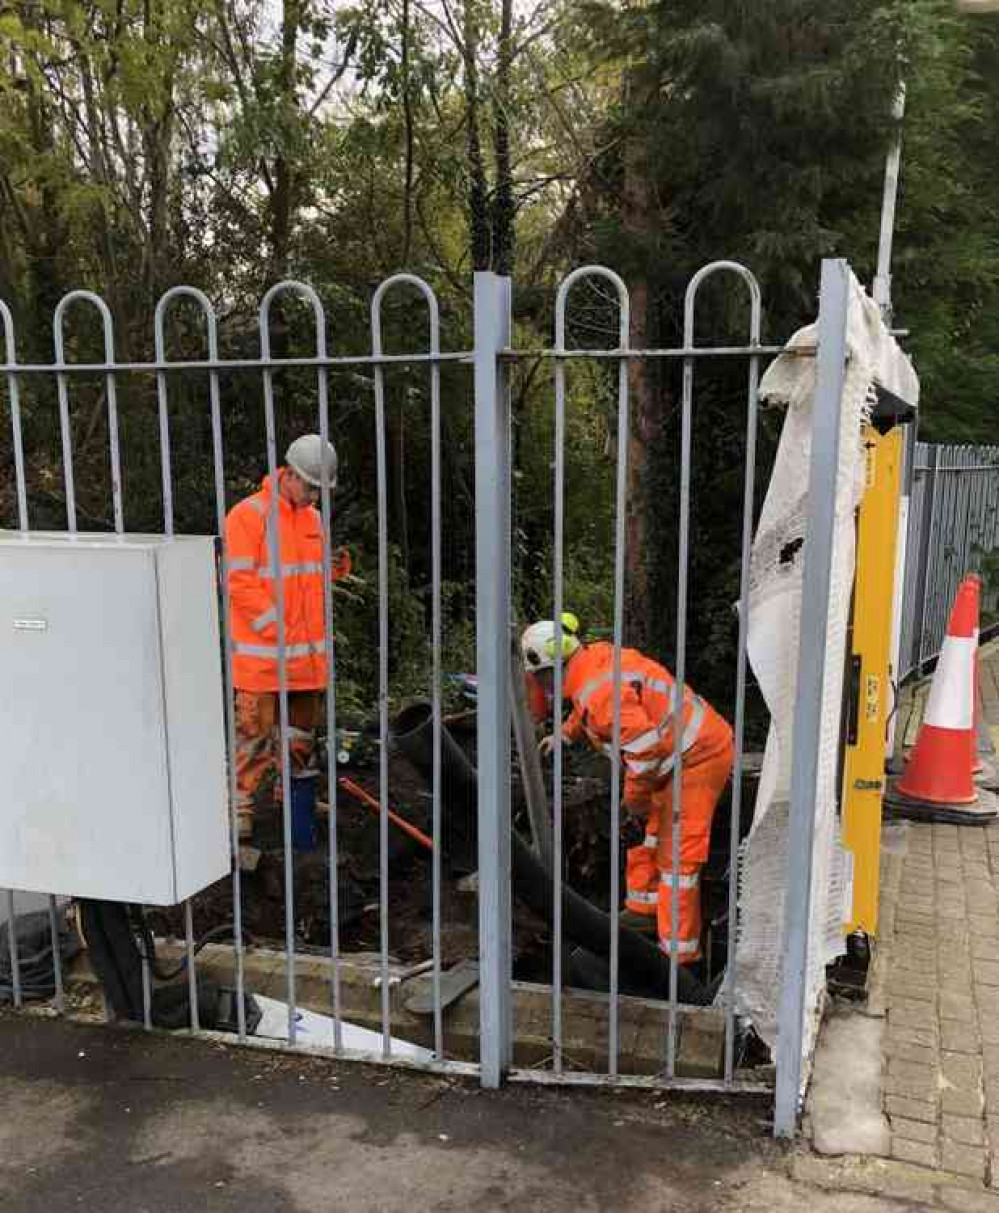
{"x":937,"y":982}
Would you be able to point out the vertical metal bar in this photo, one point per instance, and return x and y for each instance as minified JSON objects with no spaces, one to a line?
{"x":274,"y":546}
{"x":749,"y":486}
{"x":558,"y":835}
{"x":115,"y":450}
{"x":383,"y":691}
{"x":816,"y":579}
{"x":107,"y":325}
{"x":10,"y":353}
{"x":17,"y":438}
{"x":735,"y":823}
{"x":620,"y":541}
{"x":492,"y":628}
{"x":218,"y":468}
{"x":65,"y":424}
{"x":621,"y":490}
{"x":166,"y":477}
{"x":12,"y":945}
{"x":192,"y":973}
{"x":147,"y":988}
{"x":332,"y":749}
{"x":436,"y":668}
{"x":436,"y":627}
{"x":164,"y":423}
{"x":59,"y":1001}
{"x":678,"y":708}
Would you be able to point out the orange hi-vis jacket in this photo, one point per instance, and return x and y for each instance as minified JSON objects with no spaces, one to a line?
{"x":253,"y":594}
{"x":647,"y":706}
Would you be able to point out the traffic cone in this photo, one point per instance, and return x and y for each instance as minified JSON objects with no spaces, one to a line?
{"x":938,"y":784}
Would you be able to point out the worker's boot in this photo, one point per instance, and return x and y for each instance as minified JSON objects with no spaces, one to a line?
{"x":643,"y":923}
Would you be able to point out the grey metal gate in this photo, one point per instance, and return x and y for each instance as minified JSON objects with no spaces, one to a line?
{"x":490,"y":360}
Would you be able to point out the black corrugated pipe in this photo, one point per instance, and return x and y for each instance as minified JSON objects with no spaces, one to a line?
{"x":643,"y":966}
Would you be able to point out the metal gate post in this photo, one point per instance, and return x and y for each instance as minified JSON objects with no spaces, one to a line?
{"x":824,"y":463}
{"x":492,"y":629}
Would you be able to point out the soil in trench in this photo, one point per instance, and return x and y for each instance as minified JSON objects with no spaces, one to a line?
{"x":587,"y":849}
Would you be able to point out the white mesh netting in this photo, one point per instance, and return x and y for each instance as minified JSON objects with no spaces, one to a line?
{"x":774,"y":639}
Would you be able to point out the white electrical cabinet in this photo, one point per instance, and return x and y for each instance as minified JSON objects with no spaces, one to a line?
{"x":112,"y":731}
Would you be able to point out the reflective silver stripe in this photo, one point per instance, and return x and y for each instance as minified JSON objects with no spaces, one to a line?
{"x":642,"y":768}
{"x":690,"y":734}
{"x":264,"y":618}
{"x":683,"y":947}
{"x":271,"y":650}
{"x":241,"y":564}
{"x":594,"y":685}
{"x":644,"y":741}
{"x":291,"y":570}
{"x":258,"y":505}
{"x":693,"y":725}
{"x":649,"y":739}
{"x":589,"y":687}
{"x":651,"y":840}
{"x":642,"y":897}
{"x":685,"y":882}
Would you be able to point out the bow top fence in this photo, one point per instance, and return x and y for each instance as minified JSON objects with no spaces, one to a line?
{"x":490,"y":360}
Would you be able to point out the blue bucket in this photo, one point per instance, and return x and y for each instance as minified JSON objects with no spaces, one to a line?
{"x":303,"y":814}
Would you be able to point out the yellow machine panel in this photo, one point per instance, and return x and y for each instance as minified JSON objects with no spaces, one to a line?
{"x":870,"y":677}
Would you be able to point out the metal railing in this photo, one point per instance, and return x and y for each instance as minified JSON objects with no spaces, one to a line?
{"x":490,"y":359}
{"x":953,"y":525}
{"x":216,"y":369}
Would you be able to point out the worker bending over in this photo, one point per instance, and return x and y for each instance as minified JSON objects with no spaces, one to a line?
{"x":648,"y":748}
{"x":254,"y":614}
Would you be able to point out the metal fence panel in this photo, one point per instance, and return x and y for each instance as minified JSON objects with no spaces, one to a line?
{"x":21,"y":378}
{"x":953,"y":528}
{"x":489,"y":359}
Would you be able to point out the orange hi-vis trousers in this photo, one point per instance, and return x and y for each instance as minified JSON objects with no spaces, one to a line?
{"x":258,"y":745}
{"x":707,"y":766}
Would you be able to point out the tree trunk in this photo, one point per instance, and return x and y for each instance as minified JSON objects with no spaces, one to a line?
{"x":282,"y":198}
{"x":407,"y":110}
{"x":504,"y":208}
{"x":478,"y":190}
{"x":157,"y":138}
{"x":638,"y":219}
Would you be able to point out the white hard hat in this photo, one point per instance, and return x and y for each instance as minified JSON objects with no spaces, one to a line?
{"x":537,"y":645}
{"x":305,"y":457}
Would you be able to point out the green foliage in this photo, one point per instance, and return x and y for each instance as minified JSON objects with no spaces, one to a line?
{"x":228,"y":143}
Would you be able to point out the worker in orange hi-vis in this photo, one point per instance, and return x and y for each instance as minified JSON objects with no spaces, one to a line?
{"x":254,"y":614}
{"x":648,"y":746}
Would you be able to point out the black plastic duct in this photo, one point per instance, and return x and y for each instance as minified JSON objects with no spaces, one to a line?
{"x":643,"y":967}
{"x":117,"y":962}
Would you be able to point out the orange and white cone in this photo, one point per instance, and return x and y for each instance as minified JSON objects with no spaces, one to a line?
{"x":938,"y":783}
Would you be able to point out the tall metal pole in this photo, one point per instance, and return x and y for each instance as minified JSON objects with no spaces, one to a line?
{"x":492,"y":596}
{"x":882,"y":279}
{"x":808,"y":699}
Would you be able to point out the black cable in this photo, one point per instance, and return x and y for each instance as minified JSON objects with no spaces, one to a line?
{"x":147,"y":947}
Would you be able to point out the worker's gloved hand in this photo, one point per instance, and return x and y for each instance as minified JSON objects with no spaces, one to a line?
{"x":639,"y":809}
{"x":341,"y":563}
{"x":546,"y":746}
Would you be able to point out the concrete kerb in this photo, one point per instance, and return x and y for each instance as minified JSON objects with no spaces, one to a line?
{"x":701,"y":1037}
